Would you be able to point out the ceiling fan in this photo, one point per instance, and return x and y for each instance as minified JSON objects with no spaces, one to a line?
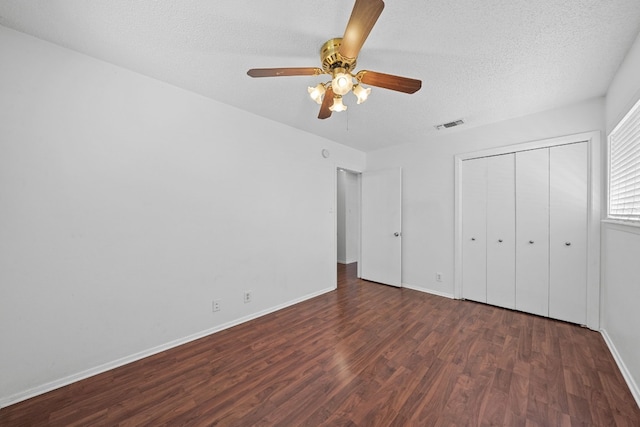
{"x":338,"y":57}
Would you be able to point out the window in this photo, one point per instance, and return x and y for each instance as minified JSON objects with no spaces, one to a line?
{"x":624,"y":168}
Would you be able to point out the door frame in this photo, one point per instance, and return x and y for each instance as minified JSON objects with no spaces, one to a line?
{"x":594,"y":175}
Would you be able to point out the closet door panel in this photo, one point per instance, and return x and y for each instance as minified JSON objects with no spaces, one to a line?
{"x":568,"y":233}
{"x":501,"y":231}
{"x":474,"y":222}
{"x":532,"y":231}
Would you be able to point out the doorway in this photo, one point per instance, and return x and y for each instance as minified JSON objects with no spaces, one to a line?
{"x":348,"y":216}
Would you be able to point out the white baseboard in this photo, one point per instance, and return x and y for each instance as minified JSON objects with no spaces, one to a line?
{"x":635,"y":390}
{"x":50,"y":386}
{"x":428,"y":291}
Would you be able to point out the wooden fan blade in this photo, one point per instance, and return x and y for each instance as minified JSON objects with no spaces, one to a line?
{"x":363,"y":17}
{"x":327,"y":102}
{"x":389,"y":81}
{"x":284,"y":72}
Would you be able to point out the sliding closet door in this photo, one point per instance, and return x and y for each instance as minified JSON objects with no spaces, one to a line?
{"x":568,"y":233}
{"x":532,"y":232}
{"x":474,"y":223}
{"x":501,"y":231}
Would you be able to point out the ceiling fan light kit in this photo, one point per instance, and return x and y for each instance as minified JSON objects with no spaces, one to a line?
{"x":338,"y":57}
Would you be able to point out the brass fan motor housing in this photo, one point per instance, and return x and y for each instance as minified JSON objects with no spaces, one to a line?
{"x":331,"y":58}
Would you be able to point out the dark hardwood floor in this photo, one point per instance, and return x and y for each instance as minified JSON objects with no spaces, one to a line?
{"x":364,"y":355}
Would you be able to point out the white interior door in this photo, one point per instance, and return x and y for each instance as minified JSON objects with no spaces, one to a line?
{"x":501,"y":231}
{"x":568,"y":233}
{"x":474,"y":229}
{"x":381,"y":249}
{"x":532,"y":232}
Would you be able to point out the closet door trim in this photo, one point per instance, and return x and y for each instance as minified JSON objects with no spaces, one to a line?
{"x":593,"y":140}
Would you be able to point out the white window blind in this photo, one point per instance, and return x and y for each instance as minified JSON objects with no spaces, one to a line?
{"x":624,"y":168}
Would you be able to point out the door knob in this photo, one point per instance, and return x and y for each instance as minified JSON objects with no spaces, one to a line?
{"x":567,"y":243}
{"x":531,"y":242}
{"x":473,"y":238}
{"x":499,"y":240}
{"x":396,"y":234}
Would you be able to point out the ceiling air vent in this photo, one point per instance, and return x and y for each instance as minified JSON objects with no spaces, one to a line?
{"x":450,"y":124}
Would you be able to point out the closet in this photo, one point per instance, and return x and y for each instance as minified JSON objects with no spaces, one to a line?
{"x":524,"y":230}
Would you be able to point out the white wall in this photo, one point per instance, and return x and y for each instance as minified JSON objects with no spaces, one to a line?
{"x":621,"y":245}
{"x":348,"y":217}
{"x":127,"y":205}
{"x":352,"y":208}
{"x":428,"y":183}
{"x":341,"y":216}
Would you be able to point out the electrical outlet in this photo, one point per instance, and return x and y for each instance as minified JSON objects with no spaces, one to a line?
{"x":438,"y":277}
{"x":247,"y":296}
{"x":216,"y":305}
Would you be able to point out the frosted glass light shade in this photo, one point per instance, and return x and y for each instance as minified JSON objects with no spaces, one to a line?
{"x":317,"y":92}
{"x":361,"y":93}
{"x":341,"y":83}
{"x":337,"y":105}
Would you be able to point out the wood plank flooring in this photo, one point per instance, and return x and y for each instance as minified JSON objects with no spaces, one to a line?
{"x":364,"y":355}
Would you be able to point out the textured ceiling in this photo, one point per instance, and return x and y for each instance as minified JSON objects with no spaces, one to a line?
{"x":482,"y":61}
